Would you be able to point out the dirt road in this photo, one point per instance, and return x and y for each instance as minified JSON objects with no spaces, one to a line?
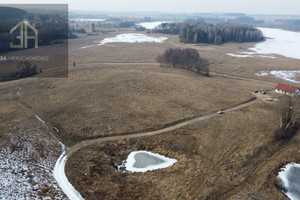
{"x":60,"y":165}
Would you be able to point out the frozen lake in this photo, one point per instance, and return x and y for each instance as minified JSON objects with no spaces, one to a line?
{"x":290,"y":180}
{"x":88,"y":20}
{"x":280,"y":42}
{"x":130,"y":38}
{"x":142,"y":161}
{"x":151,"y":25}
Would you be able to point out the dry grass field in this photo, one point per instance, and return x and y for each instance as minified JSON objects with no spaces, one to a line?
{"x":119,"y":89}
{"x":231,"y":156}
{"x":113,"y":90}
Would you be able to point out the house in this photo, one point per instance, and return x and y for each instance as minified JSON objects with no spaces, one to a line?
{"x":287,"y":89}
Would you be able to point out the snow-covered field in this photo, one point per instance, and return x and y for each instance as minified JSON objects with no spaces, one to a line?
{"x":129,"y":38}
{"x":280,"y":42}
{"x":151,"y":25}
{"x":291,"y":76}
{"x":27,"y":162}
{"x":290,"y":180}
{"x":142,"y":161}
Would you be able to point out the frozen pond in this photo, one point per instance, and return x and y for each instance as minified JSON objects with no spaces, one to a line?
{"x":281,"y":42}
{"x":151,"y":25}
{"x":130,"y":38}
{"x":142,"y":161}
{"x":291,"y":76}
{"x":290,"y":180}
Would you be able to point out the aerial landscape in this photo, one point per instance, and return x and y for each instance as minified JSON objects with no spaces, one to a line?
{"x":156,"y":100}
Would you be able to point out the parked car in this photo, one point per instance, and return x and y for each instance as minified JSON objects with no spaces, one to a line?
{"x":255,"y":91}
{"x":263,"y":92}
{"x":220,"y":112}
{"x":269,"y":99}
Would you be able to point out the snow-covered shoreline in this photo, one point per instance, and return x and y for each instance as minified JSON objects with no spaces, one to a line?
{"x":278,"y":42}
{"x":289,"y":179}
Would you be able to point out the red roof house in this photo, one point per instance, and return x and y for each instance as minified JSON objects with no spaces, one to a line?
{"x":286,"y":89}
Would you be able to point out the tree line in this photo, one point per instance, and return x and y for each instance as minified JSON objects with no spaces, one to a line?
{"x":211,"y":33}
{"x":184,"y":58}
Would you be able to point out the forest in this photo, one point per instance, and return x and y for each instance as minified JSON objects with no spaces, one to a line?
{"x":211,"y":33}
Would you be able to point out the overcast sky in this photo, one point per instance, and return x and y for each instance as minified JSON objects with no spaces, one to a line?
{"x":245,"y":6}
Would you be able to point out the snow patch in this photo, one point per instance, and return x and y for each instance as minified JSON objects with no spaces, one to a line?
{"x":142,"y":161}
{"x":287,"y":75}
{"x":264,"y":56}
{"x":130,"y":38}
{"x":239,"y":55}
{"x":289,"y":179}
{"x":262,"y":73}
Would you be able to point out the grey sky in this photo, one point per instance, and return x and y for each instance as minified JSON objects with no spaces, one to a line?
{"x":245,"y":6}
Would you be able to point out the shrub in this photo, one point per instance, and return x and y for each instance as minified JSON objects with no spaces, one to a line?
{"x":288,"y":134}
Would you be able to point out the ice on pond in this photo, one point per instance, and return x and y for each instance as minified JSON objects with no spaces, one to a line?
{"x":130,"y":38}
{"x":289,"y":179}
{"x":280,"y":42}
{"x":142,"y":161}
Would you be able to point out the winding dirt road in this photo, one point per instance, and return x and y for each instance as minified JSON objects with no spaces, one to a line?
{"x":60,"y":164}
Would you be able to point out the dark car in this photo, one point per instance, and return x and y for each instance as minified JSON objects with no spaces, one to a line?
{"x":255,"y":91}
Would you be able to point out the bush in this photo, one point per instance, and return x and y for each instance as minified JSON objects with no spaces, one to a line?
{"x":26,"y":69}
{"x":288,"y":134}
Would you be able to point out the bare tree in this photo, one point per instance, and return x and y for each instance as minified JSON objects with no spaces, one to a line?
{"x":288,"y":112}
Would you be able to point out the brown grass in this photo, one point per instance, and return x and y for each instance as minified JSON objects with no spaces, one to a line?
{"x":227,"y":157}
